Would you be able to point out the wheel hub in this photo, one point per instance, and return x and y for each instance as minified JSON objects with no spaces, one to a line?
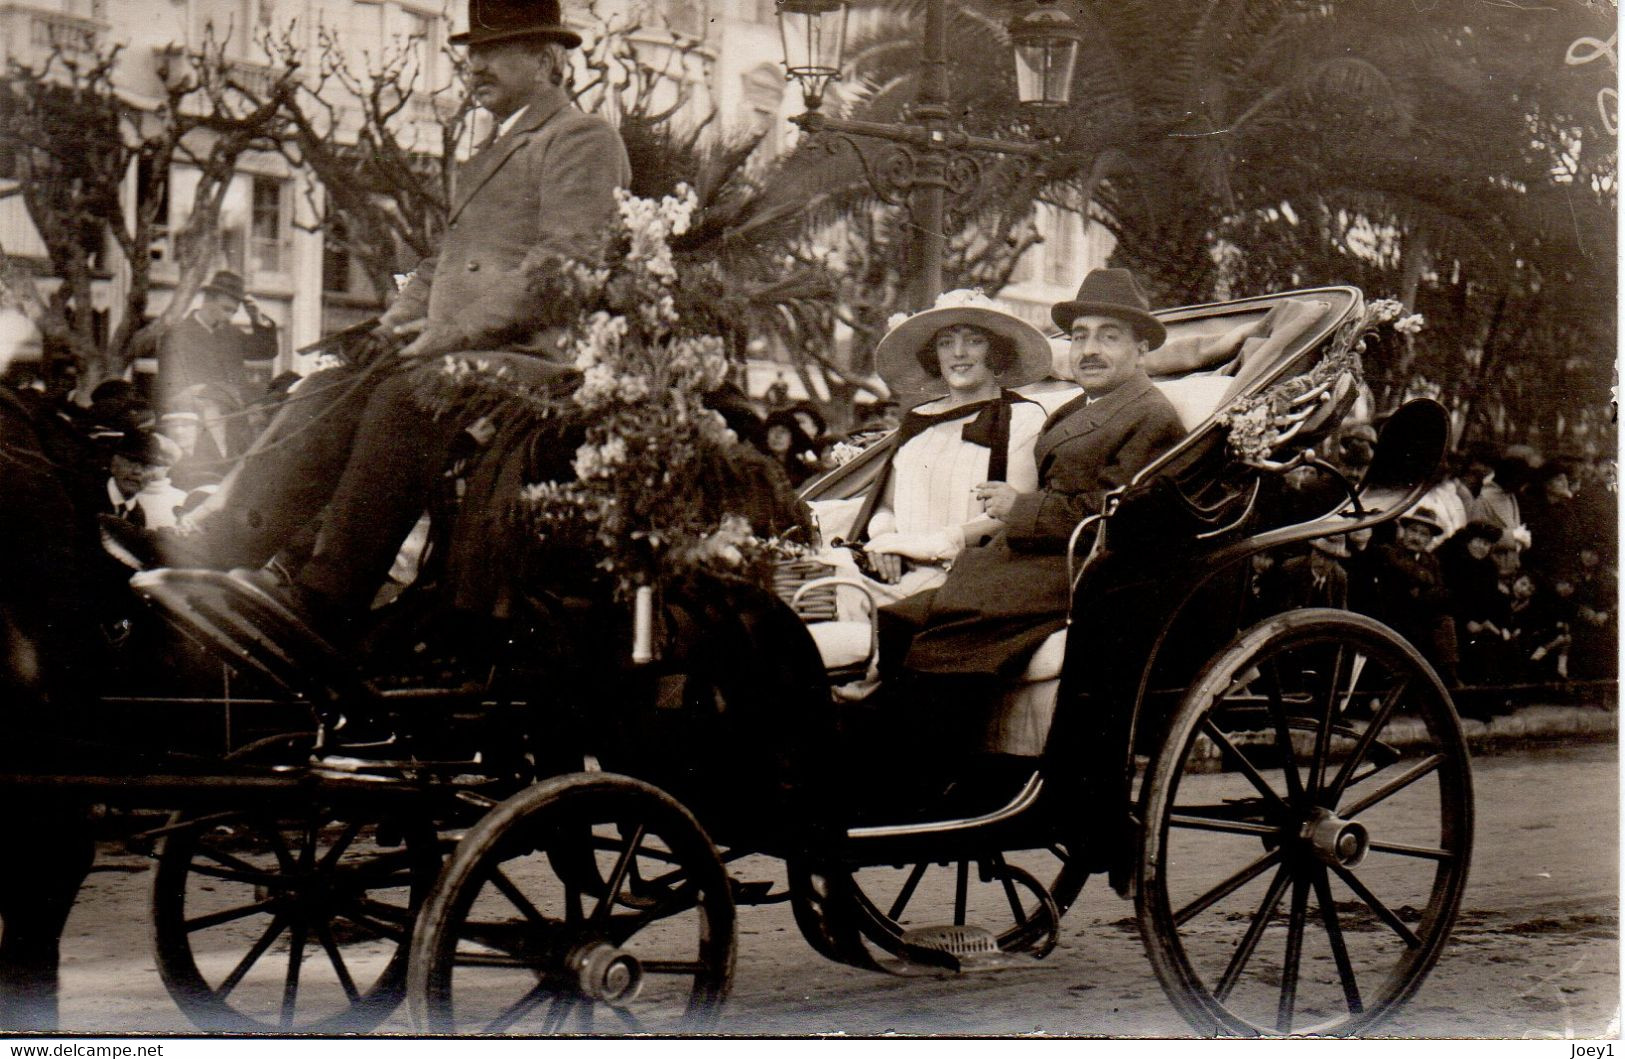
{"x":603,"y":972}
{"x":1335,"y":840}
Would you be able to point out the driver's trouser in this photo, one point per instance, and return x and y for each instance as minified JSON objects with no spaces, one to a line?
{"x":365,"y":445}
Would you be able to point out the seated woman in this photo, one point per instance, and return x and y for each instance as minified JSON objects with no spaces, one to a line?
{"x":959,"y":361}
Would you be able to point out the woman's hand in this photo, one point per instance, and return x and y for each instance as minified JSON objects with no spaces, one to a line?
{"x":935,"y":547}
{"x":996,"y":498}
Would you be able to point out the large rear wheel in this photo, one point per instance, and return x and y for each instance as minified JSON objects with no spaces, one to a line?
{"x":1307,"y":830}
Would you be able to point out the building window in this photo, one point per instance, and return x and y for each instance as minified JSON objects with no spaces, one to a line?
{"x":687,"y":17}
{"x":422,"y":42}
{"x":268,"y":228}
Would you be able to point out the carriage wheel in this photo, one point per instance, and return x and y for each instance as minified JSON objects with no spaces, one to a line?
{"x":1308,"y":825}
{"x":288,"y":921}
{"x":518,"y":936}
{"x":1002,"y":892}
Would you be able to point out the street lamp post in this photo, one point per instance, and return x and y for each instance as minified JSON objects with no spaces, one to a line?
{"x":929,"y":158}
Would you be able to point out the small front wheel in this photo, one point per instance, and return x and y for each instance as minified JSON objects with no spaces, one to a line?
{"x":589,"y":903}
{"x":1307,"y":829}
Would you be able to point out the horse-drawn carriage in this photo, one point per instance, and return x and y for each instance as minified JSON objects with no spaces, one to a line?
{"x":1288,"y":804}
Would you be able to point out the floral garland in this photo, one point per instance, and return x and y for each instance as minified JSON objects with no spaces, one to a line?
{"x":1258,"y":424}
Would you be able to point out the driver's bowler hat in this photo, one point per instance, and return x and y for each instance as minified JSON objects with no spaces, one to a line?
{"x":490,"y":21}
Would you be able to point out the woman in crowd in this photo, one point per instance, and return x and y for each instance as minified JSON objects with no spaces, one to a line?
{"x":959,"y":361}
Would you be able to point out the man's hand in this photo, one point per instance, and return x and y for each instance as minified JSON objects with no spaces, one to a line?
{"x":252,"y":308}
{"x":888,"y":568}
{"x":996,"y":498}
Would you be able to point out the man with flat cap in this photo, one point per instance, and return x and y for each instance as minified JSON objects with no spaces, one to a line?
{"x":542,"y":186}
{"x":1002,"y":600}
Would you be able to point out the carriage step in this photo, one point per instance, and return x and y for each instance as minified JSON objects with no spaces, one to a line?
{"x":962,"y":948}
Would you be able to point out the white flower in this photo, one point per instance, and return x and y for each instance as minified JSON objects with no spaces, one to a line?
{"x":632,"y":388}
{"x":1409,"y":325}
{"x":1384,"y":310}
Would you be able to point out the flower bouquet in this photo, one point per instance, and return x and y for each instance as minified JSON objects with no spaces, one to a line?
{"x":639,"y":480}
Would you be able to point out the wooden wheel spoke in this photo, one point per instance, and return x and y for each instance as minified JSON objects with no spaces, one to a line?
{"x":1394,"y":786}
{"x":1255,"y":930}
{"x":1228,"y":886}
{"x":516,"y":897}
{"x":961,"y":885}
{"x":557,"y":1011}
{"x":279,"y":846}
{"x":1229,"y":749}
{"x":376,"y":917}
{"x":1403,"y":850}
{"x":524,"y":1006}
{"x":679,"y":967}
{"x":1233,"y":827}
{"x":900,"y":904}
{"x":1017,"y":913}
{"x":290,"y":985}
{"x":617,"y":876}
{"x":221,"y":857}
{"x":214,"y":919}
{"x":1323,"y":734}
{"x":1374,"y":903}
{"x":1334,"y":935}
{"x":324,"y":935}
{"x":1379,"y":720}
{"x":249,"y":878}
{"x":251,"y":957}
{"x":1283,"y":733}
{"x":1294,"y":955}
{"x":340,"y":844}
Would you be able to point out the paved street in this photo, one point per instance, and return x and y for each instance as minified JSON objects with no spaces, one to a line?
{"x":1535,"y":952}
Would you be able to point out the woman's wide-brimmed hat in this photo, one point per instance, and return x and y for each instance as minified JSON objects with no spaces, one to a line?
{"x":1112,"y":292}
{"x":490,"y":21}
{"x":897,"y":356}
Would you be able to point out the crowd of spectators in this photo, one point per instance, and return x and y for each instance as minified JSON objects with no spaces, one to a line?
{"x":1504,"y":574}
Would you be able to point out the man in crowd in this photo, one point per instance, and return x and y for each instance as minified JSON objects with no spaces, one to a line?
{"x":202,"y":360}
{"x":361,"y":443}
{"x":138,"y":485}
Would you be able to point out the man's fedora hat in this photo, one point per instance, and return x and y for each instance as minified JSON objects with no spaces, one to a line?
{"x":898,"y":356}
{"x":226,"y":282}
{"x":490,"y":21}
{"x":1112,"y":292}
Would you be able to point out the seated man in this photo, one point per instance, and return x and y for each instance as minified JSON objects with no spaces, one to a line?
{"x":360,"y":442}
{"x":1002,"y":600}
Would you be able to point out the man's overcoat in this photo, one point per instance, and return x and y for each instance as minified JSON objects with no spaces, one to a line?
{"x":1003,"y":599}
{"x":544,"y":187}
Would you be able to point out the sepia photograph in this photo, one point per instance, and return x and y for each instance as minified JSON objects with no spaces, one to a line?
{"x":805,"y":519}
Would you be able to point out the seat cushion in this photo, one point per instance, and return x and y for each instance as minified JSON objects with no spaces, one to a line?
{"x":1195,"y":397}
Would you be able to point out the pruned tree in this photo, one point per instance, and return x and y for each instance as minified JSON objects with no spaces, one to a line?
{"x":382,"y":146}
{"x":75,"y":139}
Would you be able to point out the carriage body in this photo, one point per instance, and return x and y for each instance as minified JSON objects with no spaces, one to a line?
{"x":725,"y":745}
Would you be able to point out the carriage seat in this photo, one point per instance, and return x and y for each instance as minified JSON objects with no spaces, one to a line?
{"x":1198,"y":389}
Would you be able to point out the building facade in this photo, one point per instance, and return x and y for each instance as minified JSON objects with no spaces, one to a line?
{"x":723,"y":55}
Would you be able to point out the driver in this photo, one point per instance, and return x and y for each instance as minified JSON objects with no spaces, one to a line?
{"x":362,"y":445}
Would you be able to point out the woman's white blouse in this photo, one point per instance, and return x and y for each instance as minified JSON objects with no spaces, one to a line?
{"x":933,"y":475}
